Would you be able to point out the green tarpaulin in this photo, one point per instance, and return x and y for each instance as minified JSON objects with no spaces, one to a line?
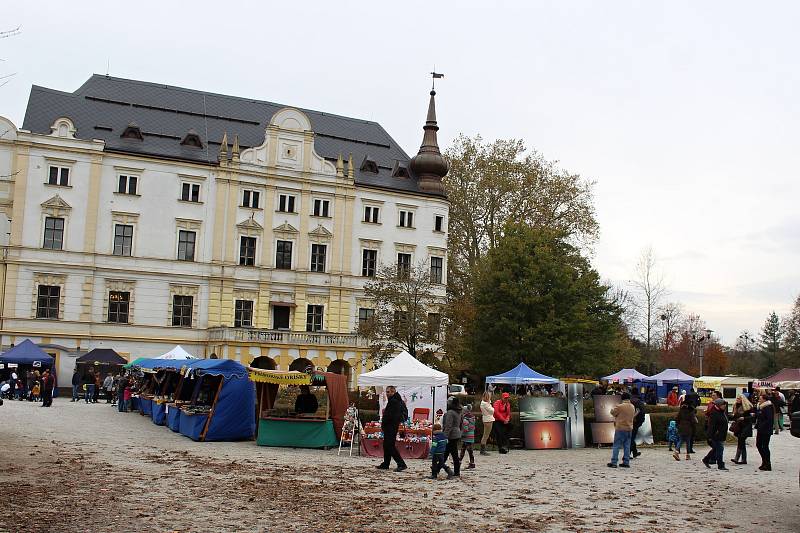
{"x":296,"y":433}
{"x":135,"y":362}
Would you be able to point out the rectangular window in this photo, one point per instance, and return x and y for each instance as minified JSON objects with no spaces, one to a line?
{"x":400,"y":323}
{"x":286,"y":203}
{"x":321,"y":208}
{"x":314,"y":317}
{"x":436,"y":269}
{"x":438,"y":223}
{"x":280,"y":317}
{"x":118,"y":306}
{"x":186,"y":240}
{"x":182,"y":310}
{"x":58,"y":176}
{"x":53,"y":233}
{"x":243,"y":314}
{"x":371,"y":214}
{"x":434,"y":325}
{"x":283,"y":255}
{"x":403,"y":265}
{"x":369,"y":262}
{"x":127,"y":184}
{"x":364,"y":315}
{"x":123,"y":239}
{"x":318,"y":252}
{"x":250,"y":198}
{"x":190,"y":192}
{"x":48,"y":297}
{"x":247,"y":251}
{"x":406,"y":219}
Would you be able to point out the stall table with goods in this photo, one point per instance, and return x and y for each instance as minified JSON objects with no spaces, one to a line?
{"x":167,"y":378}
{"x":299,"y":425}
{"x":418,"y":385}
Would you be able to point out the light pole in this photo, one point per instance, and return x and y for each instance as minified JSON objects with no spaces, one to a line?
{"x":701,"y":341}
{"x":746,"y":338}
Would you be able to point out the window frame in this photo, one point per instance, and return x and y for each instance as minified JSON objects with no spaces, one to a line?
{"x":59,"y":177}
{"x":127,"y":188}
{"x":285,"y":201}
{"x":239,"y":310}
{"x":48,"y":299}
{"x":403,"y":271}
{"x":179,"y":307}
{"x":118,"y":304}
{"x":314,"y":312}
{"x":438,"y":223}
{"x":365,"y":263}
{"x":54,"y":230}
{"x":123,"y":236}
{"x":321,"y":207}
{"x":406,"y":219}
{"x":245,"y":259}
{"x":373,"y":216}
{"x":253,"y":196}
{"x":193,"y":243}
{"x":282,"y":254}
{"x":191,"y":185}
{"x":364,"y":315}
{"x":315,"y":265}
{"x":437,"y":273}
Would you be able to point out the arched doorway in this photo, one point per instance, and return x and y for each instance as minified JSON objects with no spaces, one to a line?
{"x":301,"y":364}
{"x":264,"y":362}
{"x":340,"y":366}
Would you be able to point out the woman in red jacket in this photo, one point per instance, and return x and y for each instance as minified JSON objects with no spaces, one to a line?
{"x":502,"y":422}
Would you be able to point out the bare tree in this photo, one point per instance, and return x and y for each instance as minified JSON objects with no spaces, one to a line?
{"x":406,"y":314}
{"x":649,"y":284}
{"x":671,"y":317}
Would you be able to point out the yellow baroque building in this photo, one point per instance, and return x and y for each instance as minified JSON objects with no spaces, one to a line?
{"x":139,"y":216}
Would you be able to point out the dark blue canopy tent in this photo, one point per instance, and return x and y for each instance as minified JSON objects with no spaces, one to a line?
{"x":232,"y":415}
{"x":157,"y":409}
{"x":521,"y":374}
{"x":27,"y":353}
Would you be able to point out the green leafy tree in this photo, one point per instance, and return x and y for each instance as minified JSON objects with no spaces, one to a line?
{"x":539,"y":301}
{"x":770,"y":343}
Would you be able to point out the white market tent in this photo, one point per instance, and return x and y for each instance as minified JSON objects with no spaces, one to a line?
{"x":405,"y":370}
{"x":625,"y":375}
{"x":177,"y":353}
{"x":670,"y":375}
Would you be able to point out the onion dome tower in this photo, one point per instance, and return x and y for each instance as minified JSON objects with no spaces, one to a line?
{"x":428,"y":165}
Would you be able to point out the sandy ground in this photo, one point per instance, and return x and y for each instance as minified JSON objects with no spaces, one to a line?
{"x":78,"y":467}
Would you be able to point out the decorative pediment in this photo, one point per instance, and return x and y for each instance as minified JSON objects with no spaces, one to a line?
{"x":63,"y":127}
{"x":56,"y":206}
{"x":320,"y":232}
{"x":250,"y":224}
{"x":286,"y":229}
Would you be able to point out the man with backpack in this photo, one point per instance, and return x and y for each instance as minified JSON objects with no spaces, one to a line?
{"x":394,"y":414}
{"x":638,"y":420}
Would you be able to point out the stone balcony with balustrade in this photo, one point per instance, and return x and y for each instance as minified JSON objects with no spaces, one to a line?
{"x":286,"y":337}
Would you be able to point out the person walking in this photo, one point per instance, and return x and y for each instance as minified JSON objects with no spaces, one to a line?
{"x":108,"y":386}
{"x":394,"y":414}
{"x":502,"y":422}
{"x":778,"y":404}
{"x":439,"y":453}
{"x":672,"y":397}
{"x":468,"y":435}
{"x":451,"y":427}
{"x":47,"y":388}
{"x":88,"y":386}
{"x":121,"y":386}
{"x":717,"y":433}
{"x":764,"y":425}
{"x":742,"y":427}
{"x":623,"y":414}
{"x":686,"y":420}
{"x":638,"y":420}
{"x":98,"y":385}
{"x":76,"y":383}
{"x":487,"y":417}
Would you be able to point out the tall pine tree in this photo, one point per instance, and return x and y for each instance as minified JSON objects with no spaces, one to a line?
{"x":770,"y":343}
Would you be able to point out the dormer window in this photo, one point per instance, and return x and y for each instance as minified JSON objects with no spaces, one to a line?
{"x":369,"y":165}
{"x":400,"y":170}
{"x":132,"y":132}
{"x":192,"y":139}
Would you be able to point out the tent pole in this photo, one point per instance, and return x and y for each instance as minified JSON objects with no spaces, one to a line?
{"x":433,"y":407}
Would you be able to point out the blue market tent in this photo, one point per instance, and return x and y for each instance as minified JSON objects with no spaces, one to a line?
{"x":232,"y":409}
{"x":671,"y":377}
{"x":27,"y":353}
{"x":522,"y":374}
{"x":157,"y":409}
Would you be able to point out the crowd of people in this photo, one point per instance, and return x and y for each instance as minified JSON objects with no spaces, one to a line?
{"x":117,"y":389}
{"x":31,"y":385}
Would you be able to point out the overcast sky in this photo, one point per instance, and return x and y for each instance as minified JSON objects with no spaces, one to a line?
{"x":684,"y":113}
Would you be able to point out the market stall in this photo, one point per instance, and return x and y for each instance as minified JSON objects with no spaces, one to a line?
{"x":22,"y":358}
{"x":543,"y":418}
{"x":786,"y":374}
{"x":176,"y":353}
{"x":420,"y":387}
{"x":727,"y":386}
{"x":102,"y":361}
{"x":301,"y":420}
{"x":666,"y":379}
{"x":166,"y":377}
{"x":222,"y":402}
{"x":626,"y":375}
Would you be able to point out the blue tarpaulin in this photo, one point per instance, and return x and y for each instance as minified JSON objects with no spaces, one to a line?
{"x":146,"y":406}
{"x":174,"y":418}
{"x":159,"y":413}
{"x":192,"y":425}
{"x":669,"y":378}
{"x":233,"y":417}
{"x":26,"y":353}
{"x":522,"y":374}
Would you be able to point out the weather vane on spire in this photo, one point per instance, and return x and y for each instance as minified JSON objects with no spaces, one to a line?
{"x":435,"y":75}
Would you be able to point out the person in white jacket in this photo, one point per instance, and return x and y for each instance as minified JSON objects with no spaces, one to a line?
{"x":487,"y":416}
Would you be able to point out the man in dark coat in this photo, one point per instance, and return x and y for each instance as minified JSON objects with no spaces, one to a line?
{"x":717,"y":433}
{"x":638,"y":420}
{"x":693,"y":399}
{"x":76,"y":384}
{"x":764,"y":425}
{"x":47,"y":388}
{"x":394,"y":413}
